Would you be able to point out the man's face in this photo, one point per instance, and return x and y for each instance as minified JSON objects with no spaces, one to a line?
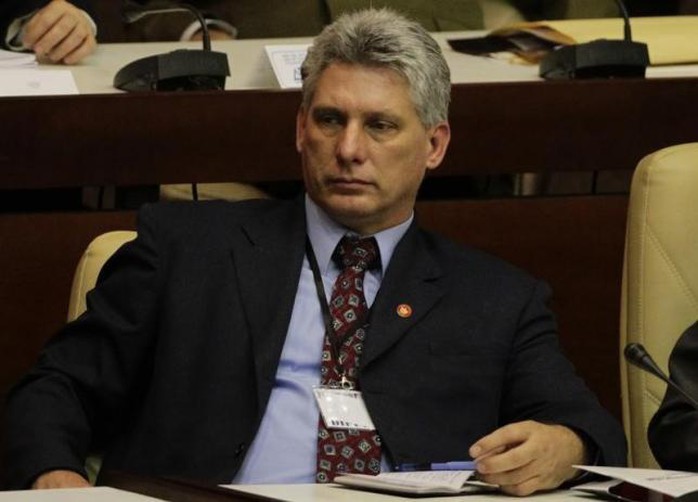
{"x":363,"y":148}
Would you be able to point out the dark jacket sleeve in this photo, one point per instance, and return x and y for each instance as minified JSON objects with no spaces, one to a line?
{"x":88,"y":373}
{"x":673,"y":431}
{"x":542,"y":385}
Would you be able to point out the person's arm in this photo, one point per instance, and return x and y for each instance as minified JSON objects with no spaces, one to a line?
{"x":59,"y":32}
{"x":553,"y":420}
{"x":82,"y":387}
{"x":688,"y":6}
{"x":673,"y":430}
{"x":535,"y":10}
{"x":179,"y":25}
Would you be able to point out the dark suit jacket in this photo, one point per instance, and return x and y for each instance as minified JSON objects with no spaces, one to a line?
{"x":12,"y":9}
{"x":673,"y":431}
{"x":171,"y":368}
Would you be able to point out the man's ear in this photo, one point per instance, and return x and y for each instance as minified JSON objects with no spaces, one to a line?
{"x":439,"y":137}
{"x":300,"y":128}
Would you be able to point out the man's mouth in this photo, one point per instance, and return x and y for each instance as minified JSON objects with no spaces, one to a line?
{"x":349,"y":184}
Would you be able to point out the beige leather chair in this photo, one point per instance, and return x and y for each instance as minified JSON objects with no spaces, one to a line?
{"x":97,"y":252}
{"x":660,"y":279}
{"x":85,"y":278}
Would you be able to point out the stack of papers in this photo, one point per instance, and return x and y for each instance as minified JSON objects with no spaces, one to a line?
{"x":9,"y":59}
{"x":669,"y":39}
{"x":416,"y":483}
{"x":20,"y":76}
{"x":640,"y":484}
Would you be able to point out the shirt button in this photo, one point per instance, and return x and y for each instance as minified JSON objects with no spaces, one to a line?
{"x":240,"y":449}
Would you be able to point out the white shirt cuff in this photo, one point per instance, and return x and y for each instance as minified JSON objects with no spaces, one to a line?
{"x":195,"y":27}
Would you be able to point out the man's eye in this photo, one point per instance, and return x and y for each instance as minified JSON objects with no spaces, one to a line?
{"x":328,"y":119}
{"x":382,"y":125}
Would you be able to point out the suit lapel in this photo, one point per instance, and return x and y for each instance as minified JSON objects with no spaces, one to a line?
{"x":413,"y":279}
{"x":267,"y":259}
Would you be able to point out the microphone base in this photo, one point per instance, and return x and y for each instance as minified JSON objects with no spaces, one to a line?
{"x":180,"y":70}
{"x":597,"y":59}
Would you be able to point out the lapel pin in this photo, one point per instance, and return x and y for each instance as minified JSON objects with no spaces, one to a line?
{"x":404,"y":310}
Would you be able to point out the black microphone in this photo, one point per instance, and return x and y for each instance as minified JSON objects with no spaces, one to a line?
{"x":598,"y":58}
{"x":183,"y":69}
{"x":636,"y":354}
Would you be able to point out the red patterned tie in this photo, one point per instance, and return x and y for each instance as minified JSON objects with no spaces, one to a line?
{"x":347,"y":450}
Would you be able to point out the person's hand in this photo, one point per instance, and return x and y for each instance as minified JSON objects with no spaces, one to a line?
{"x":60,"y":479}
{"x":60,"y":33}
{"x":526,"y":457}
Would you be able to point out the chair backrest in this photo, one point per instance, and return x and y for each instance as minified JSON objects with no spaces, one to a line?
{"x":96,"y":253}
{"x":660,"y":279}
{"x":93,"y":258}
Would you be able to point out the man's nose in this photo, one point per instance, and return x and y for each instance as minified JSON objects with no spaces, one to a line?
{"x":351,"y":146}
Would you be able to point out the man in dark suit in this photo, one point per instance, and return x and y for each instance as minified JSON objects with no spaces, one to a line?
{"x":673,"y":430}
{"x":56,"y":30}
{"x":205,"y":340}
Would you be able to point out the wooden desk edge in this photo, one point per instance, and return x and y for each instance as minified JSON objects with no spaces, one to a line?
{"x":176,"y":490}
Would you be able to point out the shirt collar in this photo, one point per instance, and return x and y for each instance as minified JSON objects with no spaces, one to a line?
{"x":324,"y":234}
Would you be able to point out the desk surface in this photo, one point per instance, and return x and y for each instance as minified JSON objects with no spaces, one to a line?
{"x":288,"y":493}
{"x":250,"y":68}
{"x":96,"y":494}
{"x":335,"y":493}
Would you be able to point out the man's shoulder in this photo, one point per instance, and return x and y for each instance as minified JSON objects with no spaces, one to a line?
{"x":461,"y":259}
{"x":212,"y":211}
{"x":211,"y":218}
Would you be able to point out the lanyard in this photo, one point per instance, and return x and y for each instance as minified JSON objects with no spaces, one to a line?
{"x":335,"y":341}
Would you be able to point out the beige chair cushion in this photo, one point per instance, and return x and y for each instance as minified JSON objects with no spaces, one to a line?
{"x":85,"y":278}
{"x":660,"y":279}
{"x":212,"y":191}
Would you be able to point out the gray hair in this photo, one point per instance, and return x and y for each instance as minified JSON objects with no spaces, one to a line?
{"x":383,"y":38}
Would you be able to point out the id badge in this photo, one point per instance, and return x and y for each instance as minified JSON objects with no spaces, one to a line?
{"x":343,"y":408}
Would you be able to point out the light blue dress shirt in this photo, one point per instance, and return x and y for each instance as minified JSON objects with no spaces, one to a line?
{"x":285,"y":448}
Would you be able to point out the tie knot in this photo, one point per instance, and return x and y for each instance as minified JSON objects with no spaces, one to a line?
{"x":362,"y":254}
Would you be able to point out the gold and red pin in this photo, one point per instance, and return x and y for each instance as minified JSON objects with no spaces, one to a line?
{"x":404,"y":310}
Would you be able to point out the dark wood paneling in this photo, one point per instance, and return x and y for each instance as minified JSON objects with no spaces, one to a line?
{"x":249,"y":135}
{"x":39,"y":253}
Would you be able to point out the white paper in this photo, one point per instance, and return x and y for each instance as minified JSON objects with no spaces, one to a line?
{"x":36,"y":82}
{"x":672,"y":483}
{"x":286,"y":62}
{"x":419,"y":482}
{"x":452,"y":480}
{"x":11,"y":59}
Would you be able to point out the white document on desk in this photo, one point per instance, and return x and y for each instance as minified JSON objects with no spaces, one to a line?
{"x":672,"y":483}
{"x":286,"y":62}
{"x":36,"y":82}
{"x":11,"y":59}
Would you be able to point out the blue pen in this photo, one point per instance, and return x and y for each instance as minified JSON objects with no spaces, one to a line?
{"x":456,"y":465}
